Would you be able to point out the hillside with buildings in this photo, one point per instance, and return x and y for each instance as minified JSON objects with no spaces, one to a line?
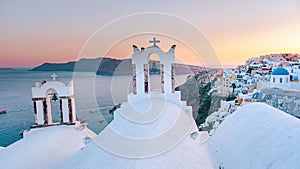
{"x":273,"y":79}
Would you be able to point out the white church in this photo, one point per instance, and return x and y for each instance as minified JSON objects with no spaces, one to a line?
{"x":280,"y":78}
{"x":152,"y":130}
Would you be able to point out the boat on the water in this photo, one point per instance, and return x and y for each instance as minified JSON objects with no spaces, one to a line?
{"x":92,"y":110}
{"x":2,"y":111}
{"x":101,"y":120}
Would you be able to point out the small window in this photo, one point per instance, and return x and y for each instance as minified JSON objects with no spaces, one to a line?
{"x":287,"y":80}
{"x":280,"y":80}
{"x":273,"y":79}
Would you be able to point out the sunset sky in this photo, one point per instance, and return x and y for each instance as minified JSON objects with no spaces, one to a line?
{"x":33,"y":32}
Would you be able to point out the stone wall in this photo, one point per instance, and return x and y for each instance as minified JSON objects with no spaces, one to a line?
{"x":287,"y":101}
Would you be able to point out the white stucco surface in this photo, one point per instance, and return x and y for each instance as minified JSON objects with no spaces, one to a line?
{"x":257,"y":136}
{"x":44,"y":148}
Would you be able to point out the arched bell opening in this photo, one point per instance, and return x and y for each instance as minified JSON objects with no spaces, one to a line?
{"x":54,"y":107}
{"x":154,"y":74}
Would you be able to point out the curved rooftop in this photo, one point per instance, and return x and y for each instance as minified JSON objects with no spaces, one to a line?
{"x":44,"y":147}
{"x":280,"y":71}
{"x":258,"y":136}
{"x":163,"y":142}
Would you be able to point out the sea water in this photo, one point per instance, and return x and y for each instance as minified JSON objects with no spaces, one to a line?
{"x":16,"y":98}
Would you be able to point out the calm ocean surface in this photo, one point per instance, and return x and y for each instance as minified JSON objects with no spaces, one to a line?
{"x":15,"y":97}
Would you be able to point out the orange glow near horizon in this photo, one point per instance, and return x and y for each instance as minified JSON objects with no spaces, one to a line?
{"x":32,"y":33}
{"x":233,"y":49}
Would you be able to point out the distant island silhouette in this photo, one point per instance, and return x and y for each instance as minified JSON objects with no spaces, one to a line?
{"x":6,"y":68}
{"x":109,"y":66}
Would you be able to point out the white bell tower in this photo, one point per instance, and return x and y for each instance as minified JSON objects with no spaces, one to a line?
{"x":43,"y":95}
{"x":140,"y":61}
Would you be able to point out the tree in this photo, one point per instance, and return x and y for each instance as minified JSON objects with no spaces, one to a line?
{"x":233,"y":87}
{"x":230,"y":97}
{"x":249,"y":70}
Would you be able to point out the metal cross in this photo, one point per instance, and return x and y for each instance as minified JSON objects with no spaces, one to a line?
{"x":54,"y":76}
{"x":154,"y":41}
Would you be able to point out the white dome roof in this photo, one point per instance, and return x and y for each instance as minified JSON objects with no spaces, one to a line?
{"x":258,"y":136}
{"x":163,"y":142}
{"x":44,"y":147}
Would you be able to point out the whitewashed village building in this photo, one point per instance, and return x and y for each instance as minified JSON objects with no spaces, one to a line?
{"x":284,"y":79}
{"x":280,"y":78}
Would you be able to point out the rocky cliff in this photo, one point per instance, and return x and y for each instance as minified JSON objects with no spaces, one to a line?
{"x":197,"y":92}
